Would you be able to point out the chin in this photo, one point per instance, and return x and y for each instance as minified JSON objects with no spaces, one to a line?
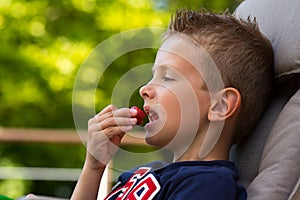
{"x":151,"y":141}
{"x":154,"y":141}
{"x":159,"y":140}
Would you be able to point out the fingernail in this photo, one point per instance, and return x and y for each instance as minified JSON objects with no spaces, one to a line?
{"x":133,"y":111}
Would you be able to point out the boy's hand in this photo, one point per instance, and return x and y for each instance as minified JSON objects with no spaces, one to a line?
{"x":105,"y":132}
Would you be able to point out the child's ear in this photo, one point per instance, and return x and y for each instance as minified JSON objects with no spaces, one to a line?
{"x":225,"y":103}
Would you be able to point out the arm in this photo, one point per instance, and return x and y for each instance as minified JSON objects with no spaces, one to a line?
{"x":105,"y":132}
{"x":88,"y":183}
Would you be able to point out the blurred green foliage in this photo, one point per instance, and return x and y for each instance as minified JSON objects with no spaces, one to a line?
{"x":42,"y":45}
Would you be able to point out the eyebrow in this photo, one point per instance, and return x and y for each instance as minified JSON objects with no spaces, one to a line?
{"x":164,"y":67}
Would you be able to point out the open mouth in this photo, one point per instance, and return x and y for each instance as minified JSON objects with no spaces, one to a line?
{"x":152,"y":115}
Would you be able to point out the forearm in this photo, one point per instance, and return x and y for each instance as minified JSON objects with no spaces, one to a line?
{"x":88,"y":184}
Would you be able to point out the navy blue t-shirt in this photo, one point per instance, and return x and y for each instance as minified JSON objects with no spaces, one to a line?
{"x":207,"y":180}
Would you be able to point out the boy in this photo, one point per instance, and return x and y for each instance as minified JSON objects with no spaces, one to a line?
{"x":212,"y":78}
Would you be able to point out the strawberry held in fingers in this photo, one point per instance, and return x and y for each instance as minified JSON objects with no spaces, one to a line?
{"x":140,"y":115}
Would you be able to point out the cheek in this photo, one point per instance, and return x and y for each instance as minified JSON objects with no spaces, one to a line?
{"x":193,"y":108}
{"x":170,"y":103}
{"x":203,"y":105}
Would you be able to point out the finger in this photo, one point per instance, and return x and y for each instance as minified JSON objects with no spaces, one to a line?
{"x":122,"y":112}
{"x":103,"y":116}
{"x":94,"y":127}
{"x":114,"y":122}
{"x":111,"y":111}
{"x":107,"y":109}
{"x":117,"y":139}
{"x":118,"y":121}
{"x":116,"y":131}
{"x":110,"y":122}
{"x":110,"y":133}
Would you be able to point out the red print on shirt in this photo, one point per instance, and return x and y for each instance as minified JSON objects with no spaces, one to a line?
{"x":142,"y":185}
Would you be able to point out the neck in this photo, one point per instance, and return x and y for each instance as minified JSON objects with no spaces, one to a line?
{"x":193,"y":155}
{"x":219,"y":152}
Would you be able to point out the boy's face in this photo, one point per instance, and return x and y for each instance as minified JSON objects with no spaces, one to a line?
{"x":175,"y":101}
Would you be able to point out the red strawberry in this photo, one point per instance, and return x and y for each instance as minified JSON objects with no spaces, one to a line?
{"x":140,"y":115}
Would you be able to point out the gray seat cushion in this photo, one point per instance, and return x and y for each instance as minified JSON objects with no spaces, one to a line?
{"x":279,"y":169}
{"x":269,"y":161}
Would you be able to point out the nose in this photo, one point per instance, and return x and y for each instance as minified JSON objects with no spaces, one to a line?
{"x":147,"y":91}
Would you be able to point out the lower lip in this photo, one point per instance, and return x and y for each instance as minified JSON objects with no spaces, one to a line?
{"x":150,"y":124}
{"x":147,"y":125}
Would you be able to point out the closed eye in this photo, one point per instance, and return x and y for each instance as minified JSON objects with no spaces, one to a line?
{"x":166,"y":78}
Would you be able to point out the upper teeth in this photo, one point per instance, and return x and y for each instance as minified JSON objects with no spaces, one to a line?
{"x":152,"y":116}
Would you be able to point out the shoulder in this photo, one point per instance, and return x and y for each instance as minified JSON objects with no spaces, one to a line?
{"x":202,"y":169}
{"x":212,"y":181}
{"x":216,"y":177}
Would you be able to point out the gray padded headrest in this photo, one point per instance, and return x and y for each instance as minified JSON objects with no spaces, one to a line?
{"x":279,"y":20}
